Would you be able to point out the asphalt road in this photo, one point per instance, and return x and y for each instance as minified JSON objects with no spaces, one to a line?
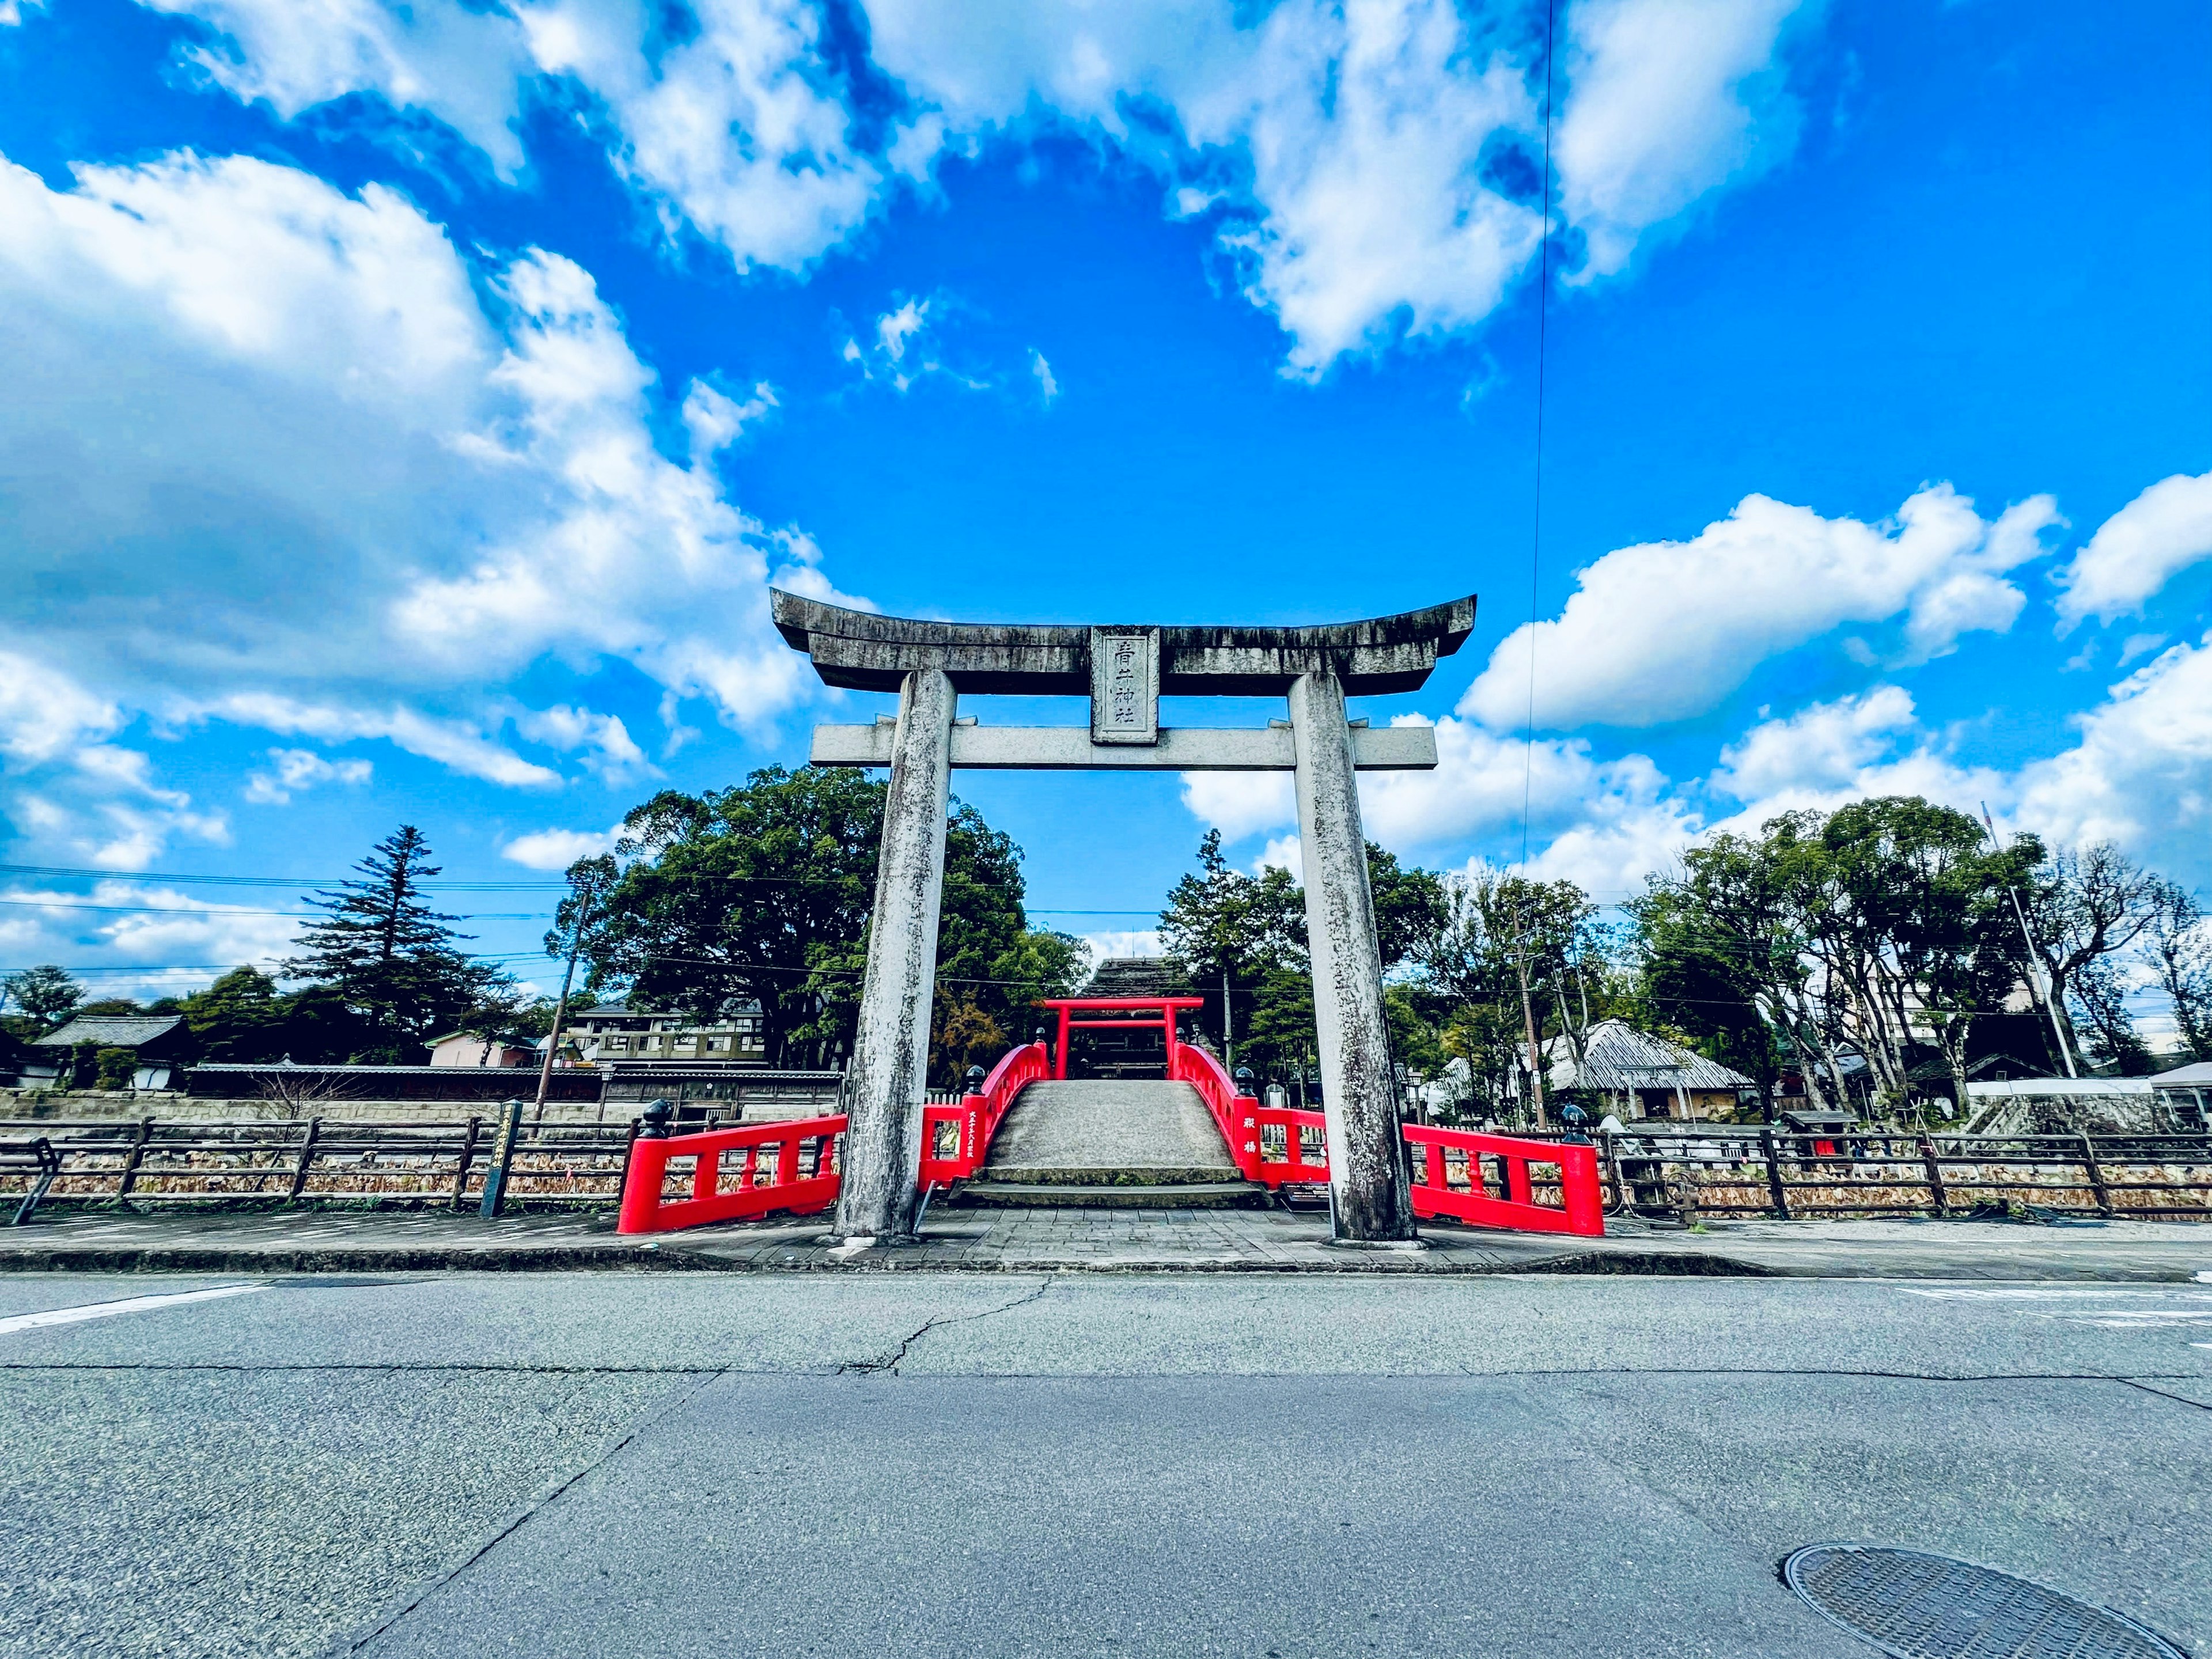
{"x":940,"y":1464}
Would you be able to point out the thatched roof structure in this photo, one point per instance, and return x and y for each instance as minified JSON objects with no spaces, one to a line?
{"x":1622,"y":1058}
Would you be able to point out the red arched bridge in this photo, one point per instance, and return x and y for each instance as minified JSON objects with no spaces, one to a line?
{"x":1030,"y":1134}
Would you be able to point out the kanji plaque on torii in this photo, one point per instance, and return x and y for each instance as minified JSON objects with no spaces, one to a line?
{"x":1124,"y":671}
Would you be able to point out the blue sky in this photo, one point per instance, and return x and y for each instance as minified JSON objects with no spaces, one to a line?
{"x":409,"y":405}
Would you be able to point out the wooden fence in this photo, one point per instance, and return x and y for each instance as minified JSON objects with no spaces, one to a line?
{"x":1710,"y":1170}
{"x":1724,"y":1171}
{"x":197,"y":1161}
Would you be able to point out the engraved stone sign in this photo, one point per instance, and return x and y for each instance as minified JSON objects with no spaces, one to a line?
{"x":1124,"y":685}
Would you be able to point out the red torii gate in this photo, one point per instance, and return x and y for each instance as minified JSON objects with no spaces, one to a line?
{"x":1166,"y":1009}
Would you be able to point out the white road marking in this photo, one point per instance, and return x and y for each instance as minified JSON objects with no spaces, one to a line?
{"x":2038,"y":1293}
{"x":107,"y":1310}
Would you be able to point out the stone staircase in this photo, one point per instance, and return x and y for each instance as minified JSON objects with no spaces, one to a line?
{"x":1115,"y":1142}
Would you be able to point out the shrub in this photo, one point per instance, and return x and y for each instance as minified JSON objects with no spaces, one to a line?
{"x":117,"y":1067}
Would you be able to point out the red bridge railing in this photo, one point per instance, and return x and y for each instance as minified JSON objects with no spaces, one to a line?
{"x":1581,"y":1207}
{"x":731,"y":1175}
{"x":1235,"y":1114}
{"x":956,"y":1139}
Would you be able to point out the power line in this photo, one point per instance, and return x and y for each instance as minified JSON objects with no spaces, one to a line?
{"x":244,"y":910}
{"x":1536,"y":516}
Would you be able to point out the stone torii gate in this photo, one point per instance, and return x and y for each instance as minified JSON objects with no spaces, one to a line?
{"x":1124,"y":671}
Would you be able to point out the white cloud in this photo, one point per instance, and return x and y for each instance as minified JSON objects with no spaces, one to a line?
{"x":1239,"y":803}
{"x":1669,"y":101}
{"x":2141,"y":774}
{"x":295,"y":770}
{"x":460,"y":64}
{"x":97,"y":800}
{"x":2138,"y":551}
{"x":715,"y":420}
{"x":556,"y":850}
{"x":1142,"y":942}
{"x":1048,"y":387}
{"x":339,"y":482}
{"x":737,"y":130}
{"x":451,"y":744}
{"x":733,"y":128}
{"x":1664,"y":630}
{"x":1281,"y":853}
{"x":44,"y":714}
{"x":1823,"y":746}
{"x":1370,"y":160}
{"x":603,"y":739}
{"x":1827,"y":754}
{"x":906,"y":348}
{"x":149,"y":925}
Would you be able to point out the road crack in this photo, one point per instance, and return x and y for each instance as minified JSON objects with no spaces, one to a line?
{"x":890,"y":1362}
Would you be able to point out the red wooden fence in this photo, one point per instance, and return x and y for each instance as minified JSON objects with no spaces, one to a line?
{"x":731,"y":1175}
{"x":956,"y":1139}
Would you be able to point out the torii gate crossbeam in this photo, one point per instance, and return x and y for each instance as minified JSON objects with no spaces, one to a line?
{"x":1124,"y":671}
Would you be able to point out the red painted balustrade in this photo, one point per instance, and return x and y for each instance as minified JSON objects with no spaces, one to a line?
{"x":1580,"y":1210}
{"x":1234,"y":1115}
{"x":956,"y":1139}
{"x":731,"y":1175}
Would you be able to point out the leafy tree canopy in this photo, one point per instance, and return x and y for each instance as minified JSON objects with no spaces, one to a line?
{"x":46,"y":995}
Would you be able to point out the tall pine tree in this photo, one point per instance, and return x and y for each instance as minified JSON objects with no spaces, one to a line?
{"x":394,"y":961}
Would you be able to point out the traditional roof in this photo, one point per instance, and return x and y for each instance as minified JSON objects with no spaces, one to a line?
{"x":2198,"y":1076}
{"x":865,"y":652}
{"x":1138,"y":976}
{"x":1621,"y":1057}
{"x":112,"y":1030}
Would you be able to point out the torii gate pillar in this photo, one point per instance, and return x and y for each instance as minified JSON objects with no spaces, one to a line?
{"x":1124,"y":671}
{"x":1366,"y":1160}
{"x":888,"y":1077}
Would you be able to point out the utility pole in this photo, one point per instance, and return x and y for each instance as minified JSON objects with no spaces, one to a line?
{"x":1228,"y":1034}
{"x":2034,"y":961}
{"x":561,"y":1007}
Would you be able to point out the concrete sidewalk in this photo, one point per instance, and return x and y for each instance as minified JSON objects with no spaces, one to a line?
{"x":109,"y":1240}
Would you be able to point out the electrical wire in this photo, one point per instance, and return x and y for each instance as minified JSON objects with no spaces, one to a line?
{"x":1536,"y":515}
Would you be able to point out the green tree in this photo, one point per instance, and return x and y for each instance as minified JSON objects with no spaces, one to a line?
{"x":2101,"y":1011}
{"x":1247,"y":935}
{"x":44,"y":994}
{"x":2082,"y":906}
{"x":758,"y":893}
{"x":762,"y":893}
{"x":2177,"y":947}
{"x":393,"y":960}
{"x":242,"y":1018}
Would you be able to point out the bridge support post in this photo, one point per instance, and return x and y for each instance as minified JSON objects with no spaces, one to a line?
{"x":1366,"y":1163}
{"x":885,"y":1084}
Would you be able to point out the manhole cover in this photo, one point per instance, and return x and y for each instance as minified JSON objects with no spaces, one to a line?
{"x":1930,"y":1607}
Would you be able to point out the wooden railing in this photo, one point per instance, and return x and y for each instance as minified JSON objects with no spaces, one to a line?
{"x":732,"y":1175}
{"x":1729,"y":1170}
{"x":197,"y":1161}
{"x":956,"y":1132}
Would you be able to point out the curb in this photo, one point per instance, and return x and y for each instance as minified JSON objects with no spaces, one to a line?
{"x":1644,"y":1263}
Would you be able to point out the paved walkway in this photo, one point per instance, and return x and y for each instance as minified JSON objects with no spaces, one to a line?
{"x":1093,"y":1240}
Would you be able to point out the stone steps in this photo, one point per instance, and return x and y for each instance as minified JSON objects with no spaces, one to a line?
{"x":1181,"y":1195}
{"x":1118,"y":1142}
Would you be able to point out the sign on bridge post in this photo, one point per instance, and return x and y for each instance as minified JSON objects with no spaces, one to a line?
{"x":1124,"y":671}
